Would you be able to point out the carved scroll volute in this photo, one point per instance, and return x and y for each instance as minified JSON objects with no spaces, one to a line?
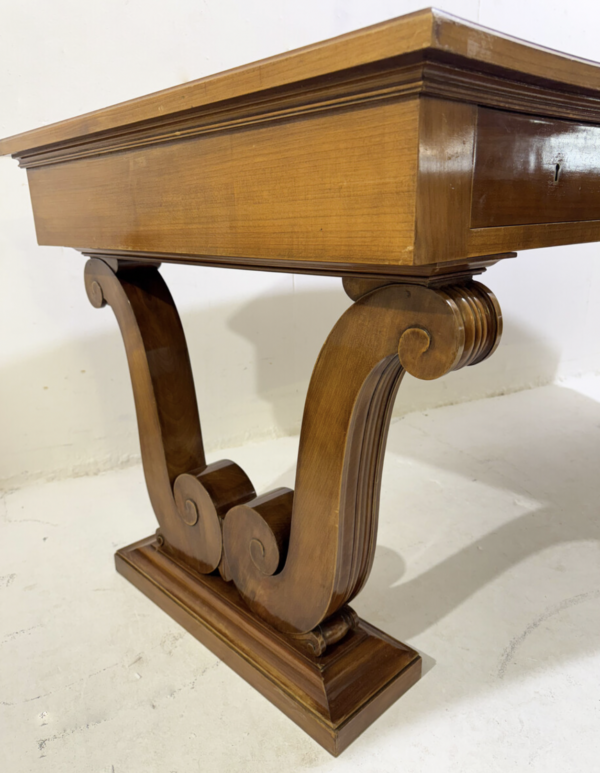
{"x":427,"y":332}
{"x":189,"y":498}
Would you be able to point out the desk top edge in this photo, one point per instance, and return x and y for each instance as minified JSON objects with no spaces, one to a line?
{"x":419,"y":32}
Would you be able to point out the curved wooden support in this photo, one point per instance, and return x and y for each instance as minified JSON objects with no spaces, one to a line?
{"x":203,"y":498}
{"x":189,"y":498}
{"x":268,"y":518}
{"x":424,"y":331}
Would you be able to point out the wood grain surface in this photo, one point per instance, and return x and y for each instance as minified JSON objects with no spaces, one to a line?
{"x":329,"y":187}
{"x":534,"y":170}
{"x":333,"y":698}
{"x":429,"y":30}
{"x":406,"y":157}
{"x":420,"y":141}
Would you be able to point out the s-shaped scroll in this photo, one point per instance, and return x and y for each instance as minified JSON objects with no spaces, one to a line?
{"x":298,"y":568}
{"x":189,"y":497}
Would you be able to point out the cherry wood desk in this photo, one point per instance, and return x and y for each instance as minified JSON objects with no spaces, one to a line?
{"x":405,"y":158}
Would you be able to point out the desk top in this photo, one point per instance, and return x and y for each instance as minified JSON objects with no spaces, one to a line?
{"x":424,"y":141}
{"x":428,"y":34}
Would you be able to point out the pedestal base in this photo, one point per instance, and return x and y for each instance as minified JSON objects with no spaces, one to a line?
{"x":333,"y":698}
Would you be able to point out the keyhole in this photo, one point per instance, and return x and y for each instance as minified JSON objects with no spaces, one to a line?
{"x":556,"y":173}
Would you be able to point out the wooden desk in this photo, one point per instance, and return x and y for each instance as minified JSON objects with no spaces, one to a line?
{"x":405,"y":158}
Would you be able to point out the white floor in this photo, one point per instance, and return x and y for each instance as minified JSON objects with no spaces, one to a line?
{"x":488,"y":563}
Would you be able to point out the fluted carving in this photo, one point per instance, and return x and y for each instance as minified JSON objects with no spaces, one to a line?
{"x":424,"y":331}
{"x":296,"y":557}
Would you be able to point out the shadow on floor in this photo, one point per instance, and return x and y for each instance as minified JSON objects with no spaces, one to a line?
{"x":551,"y":461}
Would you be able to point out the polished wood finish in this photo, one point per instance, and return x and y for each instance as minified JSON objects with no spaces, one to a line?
{"x":189,"y":497}
{"x":534,"y":170}
{"x":225,"y":193}
{"x":295,"y":558}
{"x":446,"y":145}
{"x":331,"y":196}
{"x":429,"y":274}
{"x":427,"y":34}
{"x":288,"y":561}
{"x":333,"y":697}
{"x":357,"y":152}
{"x":405,"y":158}
{"x":425,"y":331}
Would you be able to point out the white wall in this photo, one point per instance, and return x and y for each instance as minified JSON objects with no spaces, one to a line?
{"x":65,"y":400}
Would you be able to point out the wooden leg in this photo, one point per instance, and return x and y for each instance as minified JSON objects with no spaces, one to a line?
{"x":333,"y":525}
{"x":297,"y":558}
{"x":189,"y":497}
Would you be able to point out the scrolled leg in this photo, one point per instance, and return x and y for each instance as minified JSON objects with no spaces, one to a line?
{"x":332,"y":531}
{"x":189,"y":497}
{"x":296,"y":558}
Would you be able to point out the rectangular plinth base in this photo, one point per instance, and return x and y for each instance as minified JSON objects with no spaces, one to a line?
{"x":333,"y":698}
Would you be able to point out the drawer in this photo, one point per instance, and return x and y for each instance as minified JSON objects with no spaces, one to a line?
{"x":530,"y":170}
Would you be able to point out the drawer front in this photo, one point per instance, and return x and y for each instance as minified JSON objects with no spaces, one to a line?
{"x":530,"y":170}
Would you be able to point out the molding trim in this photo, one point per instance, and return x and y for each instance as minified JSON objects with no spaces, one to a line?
{"x":429,"y":275}
{"x":349,"y":89}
